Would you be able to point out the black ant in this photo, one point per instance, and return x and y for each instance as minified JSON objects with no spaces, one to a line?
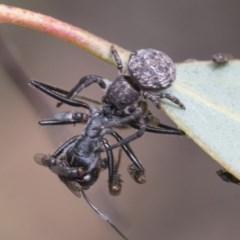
{"x":78,"y":161}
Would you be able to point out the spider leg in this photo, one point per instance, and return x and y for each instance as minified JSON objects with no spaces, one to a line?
{"x":83,"y":83}
{"x":65,"y":146}
{"x":138,"y":171}
{"x":155,"y":99}
{"x":55,"y":92}
{"x":117,"y":59}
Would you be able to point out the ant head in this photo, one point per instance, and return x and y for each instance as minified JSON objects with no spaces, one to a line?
{"x":89,"y":178}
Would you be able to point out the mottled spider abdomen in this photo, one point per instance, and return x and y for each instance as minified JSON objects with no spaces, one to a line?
{"x":153,"y":70}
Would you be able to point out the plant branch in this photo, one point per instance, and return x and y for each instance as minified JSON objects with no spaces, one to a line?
{"x":77,"y":36}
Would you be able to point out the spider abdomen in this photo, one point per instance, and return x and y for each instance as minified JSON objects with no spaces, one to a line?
{"x":152,"y":69}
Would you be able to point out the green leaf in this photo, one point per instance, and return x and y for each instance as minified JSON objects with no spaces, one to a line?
{"x":211,"y":95}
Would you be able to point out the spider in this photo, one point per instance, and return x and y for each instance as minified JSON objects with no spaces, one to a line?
{"x":148,"y":71}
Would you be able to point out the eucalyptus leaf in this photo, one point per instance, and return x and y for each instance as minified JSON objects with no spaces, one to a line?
{"x":211,"y":95}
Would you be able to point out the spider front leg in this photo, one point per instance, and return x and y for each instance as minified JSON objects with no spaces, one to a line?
{"x":83,"y":83}
{"x":117,"y":59}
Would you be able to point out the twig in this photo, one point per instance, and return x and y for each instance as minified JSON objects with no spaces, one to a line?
{"x":77,"y":36}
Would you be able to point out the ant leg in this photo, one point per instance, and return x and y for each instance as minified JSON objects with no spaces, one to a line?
{"x":66,"y":118}
{"x":83,"y":83}
{"x":65,"y":92}
{"x":132,"y":137}
{"x":159,"y":129}
{"x":114,"y":178}
{"x":117,"y":59}
{"x":54,"y":92}
{"x":136,"y":169}
{"x":65,"y":146}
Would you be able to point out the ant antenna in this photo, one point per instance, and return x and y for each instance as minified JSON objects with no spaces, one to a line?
{"x":103,"y":216}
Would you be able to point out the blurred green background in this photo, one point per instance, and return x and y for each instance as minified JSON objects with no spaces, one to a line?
{"x":183,"y":198}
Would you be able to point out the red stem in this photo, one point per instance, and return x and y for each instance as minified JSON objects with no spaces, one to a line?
{"x":77,"y":36}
